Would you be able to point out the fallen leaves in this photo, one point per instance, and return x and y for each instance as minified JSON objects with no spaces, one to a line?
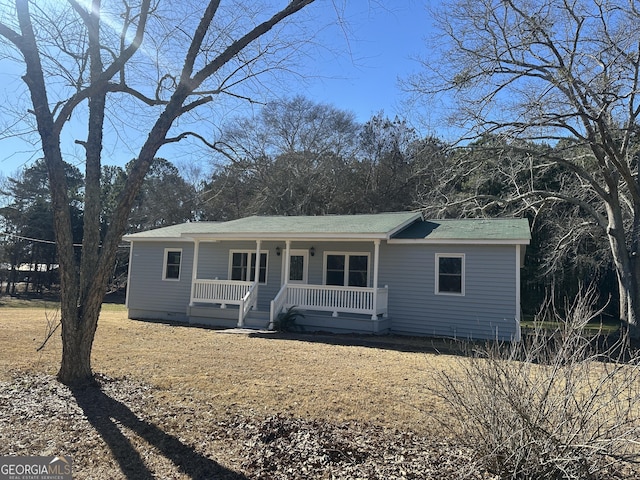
{"x":124,"y":429}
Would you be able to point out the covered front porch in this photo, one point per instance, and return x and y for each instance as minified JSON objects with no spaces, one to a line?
{"x":332,"y":283}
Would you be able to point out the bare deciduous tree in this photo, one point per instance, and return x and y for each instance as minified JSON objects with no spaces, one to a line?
{"x":111,"y":65}
{"x":291,"y":159}
{"x":551,"y":406}
{"x":549,"y":70}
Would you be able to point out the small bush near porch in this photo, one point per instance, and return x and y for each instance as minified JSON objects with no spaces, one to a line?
{"x":183,"y":402}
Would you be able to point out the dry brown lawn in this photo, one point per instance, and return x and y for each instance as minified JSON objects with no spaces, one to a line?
{"x":185,"y":402}
{"x":196,"y":403}
{"x":307,"y":376}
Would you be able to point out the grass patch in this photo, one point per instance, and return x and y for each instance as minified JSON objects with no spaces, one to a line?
{"x":593,"y":328}
{"x":7,"y":301}
{"x":114,"y":307}
{"x":53,"y":303}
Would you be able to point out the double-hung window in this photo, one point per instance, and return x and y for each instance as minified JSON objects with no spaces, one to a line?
{"x":243,"y":266}
{"x":172,"y":262}
{"x":450,"y":273}
{"x":346,"y":269}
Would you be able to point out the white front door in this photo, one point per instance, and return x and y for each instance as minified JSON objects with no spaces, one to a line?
{"x":299,"y":266}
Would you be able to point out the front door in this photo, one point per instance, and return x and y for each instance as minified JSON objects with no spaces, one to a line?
{"x":299,"y":266}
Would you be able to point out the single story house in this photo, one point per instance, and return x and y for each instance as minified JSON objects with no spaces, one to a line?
{"x":377,"y":273}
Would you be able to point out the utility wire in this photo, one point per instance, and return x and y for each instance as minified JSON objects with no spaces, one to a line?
{"x":39,"y":240}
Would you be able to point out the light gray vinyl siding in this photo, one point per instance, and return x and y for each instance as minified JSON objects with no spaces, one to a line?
{"x":487,"y":310}
{"x":148,"y":294}
{"x":213,"y":262}
{"x":316,"y":263}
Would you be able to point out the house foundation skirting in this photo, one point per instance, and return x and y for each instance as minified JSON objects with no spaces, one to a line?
{"x":344,"y":323}
{"x":312,"y":321}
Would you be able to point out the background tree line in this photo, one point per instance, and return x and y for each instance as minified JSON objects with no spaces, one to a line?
{"x":27,"y":216}
{"x":298,"y":157}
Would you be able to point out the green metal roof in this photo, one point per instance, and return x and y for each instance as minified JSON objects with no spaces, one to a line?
{"x":379,"y":225}
{"x":514,"y":230}
{"x":174,"y":231}
{"x":400,"y":227}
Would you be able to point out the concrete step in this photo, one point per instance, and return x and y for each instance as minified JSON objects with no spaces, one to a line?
{"x":257,"y":319}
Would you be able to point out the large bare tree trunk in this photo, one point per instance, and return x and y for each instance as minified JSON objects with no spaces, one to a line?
{"x":629,"y":302}
{"x":77,"y":342}
{"x":78,"y":331}
{"x":84,"y":277}
{"x":626,"y":269}
{"x":633,"y":305}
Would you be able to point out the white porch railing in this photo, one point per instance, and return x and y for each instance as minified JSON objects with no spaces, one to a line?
{"x":249,"y":300}
{"x":277,"y":305}
{"x":219,"y":291}
{"x":330,"y":298}
{"x":226,"y":292}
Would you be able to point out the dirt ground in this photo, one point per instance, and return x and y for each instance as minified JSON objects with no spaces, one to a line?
{"x":188,"y":402}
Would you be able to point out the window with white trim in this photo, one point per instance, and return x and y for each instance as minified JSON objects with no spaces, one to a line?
{"x":346,"y":269}
{"x":240,"y":268}
{"x":172,"y":264}
{"x":450,"y":273}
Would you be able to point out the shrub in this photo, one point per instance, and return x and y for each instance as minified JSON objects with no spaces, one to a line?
{"x":559,"y":409}
{"x":287,"y":320}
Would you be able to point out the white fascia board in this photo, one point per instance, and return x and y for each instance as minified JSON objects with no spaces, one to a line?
{"x":453,"y":241}
{"x":283,"y":236}
{"x":158,"y":239}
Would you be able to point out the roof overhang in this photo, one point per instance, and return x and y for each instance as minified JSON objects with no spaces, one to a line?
{"x":285,"y":228}
{"x":157,"y":239}
{"x":460,"y":241}
{"x":283,"y":237}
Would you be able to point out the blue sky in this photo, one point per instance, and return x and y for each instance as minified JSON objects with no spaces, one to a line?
{"x":383,"y":39}
{"x":356,"y":69}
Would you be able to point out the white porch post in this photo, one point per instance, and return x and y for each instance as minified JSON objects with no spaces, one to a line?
{"x":376,"y":255}
{"x":194,"y":270}
{"x":287,"y":261}
{"x":256,"y":273}
{"x":278,"y":302}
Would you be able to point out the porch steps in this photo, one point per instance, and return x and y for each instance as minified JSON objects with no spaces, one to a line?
{"x":213,"y":315}
{"x":257,"y":319}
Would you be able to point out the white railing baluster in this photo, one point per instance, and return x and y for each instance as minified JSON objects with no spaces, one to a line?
{"x":278,"y":303}
{"x":330,"y":298}
{"x":336,"y":299}
{"x":248,"y":301}
{"x":219,"y":291}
